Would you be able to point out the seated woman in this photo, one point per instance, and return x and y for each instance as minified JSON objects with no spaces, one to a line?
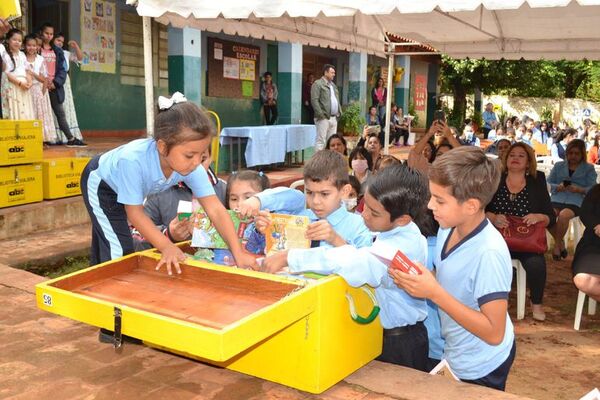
{"x":523,"y":193}
{"x":569,"y":181}
{"x":336,"y":142}
{"x":586,"y":263}
{"x":468,"y":136}
{"x":560,"y":141}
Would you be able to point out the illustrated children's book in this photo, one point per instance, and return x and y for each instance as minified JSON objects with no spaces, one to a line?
{"x":400,"y":262}
{"x":443,"y":369}
{"x":10,"y":9}
{"x":205,"y":234}
{"x":286,"y":232}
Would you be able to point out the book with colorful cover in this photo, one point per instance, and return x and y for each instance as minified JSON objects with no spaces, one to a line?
{"x":286,"y":232}
{"x":10,"y":9}
{"x":205,"y":234}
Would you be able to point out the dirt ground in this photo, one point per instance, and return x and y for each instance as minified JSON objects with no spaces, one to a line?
{"x":553,"y":360}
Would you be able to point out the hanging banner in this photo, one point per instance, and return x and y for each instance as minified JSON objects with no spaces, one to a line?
{"x":420,"y":92}
{"x":98,"y":39}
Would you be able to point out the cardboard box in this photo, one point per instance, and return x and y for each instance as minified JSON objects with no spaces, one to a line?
{"x":20,"y":184}
{"x":62,"y":176}
{"x":21,"y":142}
{"x":297,"y":332}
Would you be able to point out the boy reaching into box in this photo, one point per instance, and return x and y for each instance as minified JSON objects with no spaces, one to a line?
{"x":394,"y":198}
{"x":327,"y":183}
{"x":473,"y":267}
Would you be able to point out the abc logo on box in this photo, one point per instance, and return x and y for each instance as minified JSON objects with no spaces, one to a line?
{"x":16,"y":192}
{"x":72,"y":185}
{"x":16,"y":149}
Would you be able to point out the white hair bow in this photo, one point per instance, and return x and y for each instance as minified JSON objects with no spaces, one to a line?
{"x":164,"y":103}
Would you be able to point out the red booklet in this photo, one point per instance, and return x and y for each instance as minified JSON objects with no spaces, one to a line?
{"x":400,"y":262}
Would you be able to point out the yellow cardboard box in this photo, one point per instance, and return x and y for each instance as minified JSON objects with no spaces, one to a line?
{"x":293,"y":331}
{"x":21,"y":142}
{"x":62,"y":176}
{"x":20,"y":184}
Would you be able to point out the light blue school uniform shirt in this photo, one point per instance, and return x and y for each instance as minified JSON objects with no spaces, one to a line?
{"x":349,"y":226}
{"x":360,"y":266}
{"x":133,"y":171}
{"x":476,"y":271}
{"x":432,"y":323}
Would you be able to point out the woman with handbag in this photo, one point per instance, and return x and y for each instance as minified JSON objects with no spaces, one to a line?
{"x":586,"y":263}
{"x":569,"y":181}
{"x":521,"y":210}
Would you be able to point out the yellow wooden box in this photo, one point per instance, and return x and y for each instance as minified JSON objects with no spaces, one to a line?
{"x":21,"y":142}
{"x":297,"y":332}
{"x":62,"y":176}
{"x":20,"y":184}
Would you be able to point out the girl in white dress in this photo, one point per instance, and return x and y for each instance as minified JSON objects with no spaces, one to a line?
{"x":16,"y":81}
{"x":39,"y":91}
{"x":69,"y":106}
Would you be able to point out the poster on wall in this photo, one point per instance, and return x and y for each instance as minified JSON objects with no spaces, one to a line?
{"x":98,"y":39}
{"x":233,"y":69}
{"x":420,"y":92}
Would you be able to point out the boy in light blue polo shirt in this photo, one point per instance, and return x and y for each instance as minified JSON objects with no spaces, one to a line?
{"x":326,"y":181}
{"x":473,"y":270}
{"x":395,"y":197}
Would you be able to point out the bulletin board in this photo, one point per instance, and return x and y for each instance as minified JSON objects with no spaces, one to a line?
{"x":98,"y":36}
{"x":233,"y":69}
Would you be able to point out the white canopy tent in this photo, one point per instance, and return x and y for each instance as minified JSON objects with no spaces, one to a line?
{"x":494,"y":29}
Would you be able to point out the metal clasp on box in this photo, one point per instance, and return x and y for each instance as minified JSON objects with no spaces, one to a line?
{"x":118,"y":337}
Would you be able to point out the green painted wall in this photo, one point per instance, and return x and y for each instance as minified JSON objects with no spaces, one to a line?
{"x":185,"y":66}
{"x":103,"y":103}
{"x":289,"y":107}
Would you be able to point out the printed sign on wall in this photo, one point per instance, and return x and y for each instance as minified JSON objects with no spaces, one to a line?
{"x":98,"y":39}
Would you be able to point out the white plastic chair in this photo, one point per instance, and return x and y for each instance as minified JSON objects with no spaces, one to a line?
{"x":579,"y":308}
{"x":574,"y":232}
{"x":521,"y":288}
{"x":297,"y":184}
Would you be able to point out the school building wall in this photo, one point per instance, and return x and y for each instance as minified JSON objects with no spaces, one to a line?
{"x":102,"y":102}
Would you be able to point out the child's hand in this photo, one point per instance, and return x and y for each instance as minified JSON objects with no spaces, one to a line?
{"x":275,"y":263}
{"x":423,"y":286}
{"x":171,"y":256}
{"x":249,"y":207}
{"x":262,"y":221}
{"x":246,"y":261}
{"x":322,"y":230}
{"x":180,"y":230}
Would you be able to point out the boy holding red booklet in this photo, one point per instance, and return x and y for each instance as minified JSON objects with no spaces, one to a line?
{"x":394,"y":198}
{"x":473,"y":270}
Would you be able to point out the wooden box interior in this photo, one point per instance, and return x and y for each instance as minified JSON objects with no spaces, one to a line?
{"x":210,"y":298}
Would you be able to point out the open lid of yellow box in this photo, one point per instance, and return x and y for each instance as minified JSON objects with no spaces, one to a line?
{"x":209,"y":311}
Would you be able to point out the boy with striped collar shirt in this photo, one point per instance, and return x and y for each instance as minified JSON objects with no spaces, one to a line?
{"x":473,"y":269}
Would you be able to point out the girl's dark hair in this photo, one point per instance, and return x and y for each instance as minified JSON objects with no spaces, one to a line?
{"x":401,"y":190}
{"x":10,"y":34}
{"x":433,"y":150}
{"x":337,"y":136}
{"x":31,"y":36}
{"x":355,"y":183}
{"x":183,"y":122}
{"x":363,"y":152}
{"x":260,"y":181}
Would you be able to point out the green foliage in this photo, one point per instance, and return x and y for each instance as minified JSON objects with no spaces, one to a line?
{"x":553,"y":79}
{"x":413,"y":113}
{"x":546,"y":114}
{"x":352,"y":120}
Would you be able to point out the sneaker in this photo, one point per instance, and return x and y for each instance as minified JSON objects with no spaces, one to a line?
{"x":76,"y":143}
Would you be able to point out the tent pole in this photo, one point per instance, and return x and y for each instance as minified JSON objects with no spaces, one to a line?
{"x":148,"y":75}
{"x":388,"y":102}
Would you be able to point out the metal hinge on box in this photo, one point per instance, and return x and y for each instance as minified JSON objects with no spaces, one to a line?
{"x":117,"y":338}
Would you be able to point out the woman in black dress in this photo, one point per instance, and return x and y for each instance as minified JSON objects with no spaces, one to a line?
{"x":586,"y":264}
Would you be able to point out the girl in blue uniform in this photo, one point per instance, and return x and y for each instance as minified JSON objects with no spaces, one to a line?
{"x":115,"y":184}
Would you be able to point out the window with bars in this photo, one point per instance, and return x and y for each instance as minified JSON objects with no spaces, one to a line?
{"x":132,"y":52}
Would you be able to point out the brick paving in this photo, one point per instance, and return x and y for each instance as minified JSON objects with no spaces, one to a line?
{"x":43,"y":356}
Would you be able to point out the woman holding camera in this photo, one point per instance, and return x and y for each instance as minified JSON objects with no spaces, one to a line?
{"x":569,"y":181}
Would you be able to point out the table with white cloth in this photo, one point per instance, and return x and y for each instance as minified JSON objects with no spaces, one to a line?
{"x":267,"y":144}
